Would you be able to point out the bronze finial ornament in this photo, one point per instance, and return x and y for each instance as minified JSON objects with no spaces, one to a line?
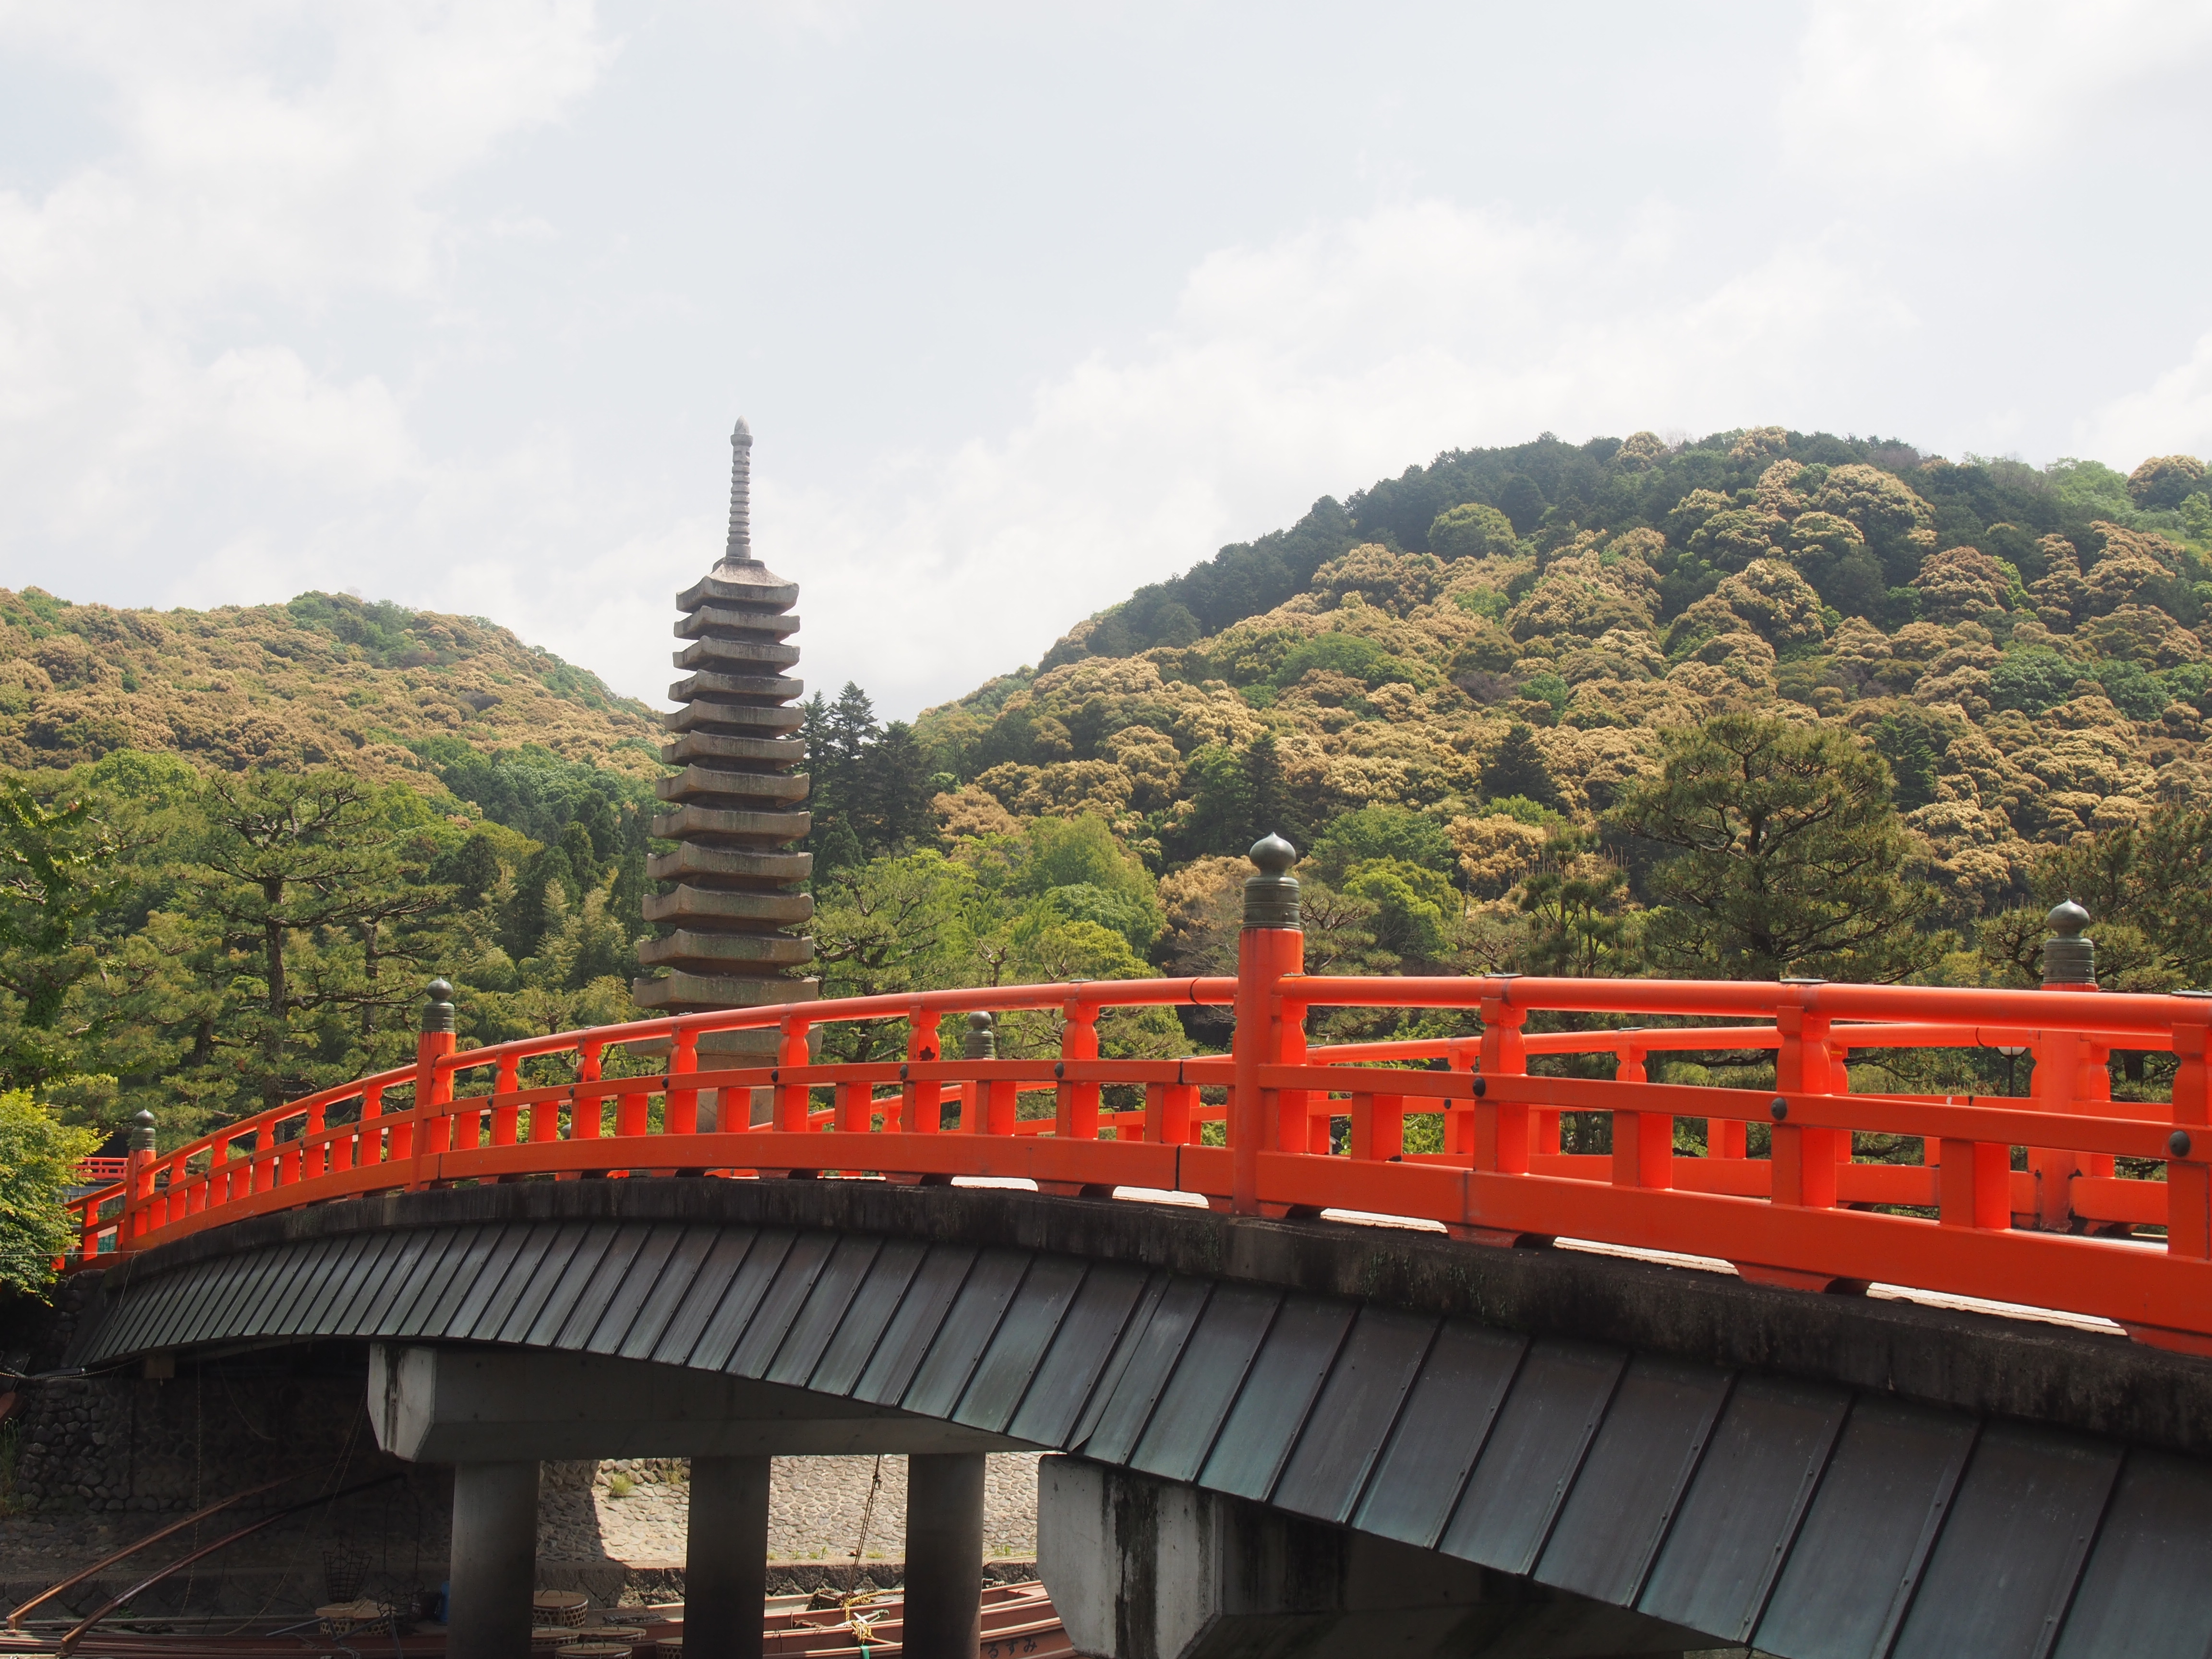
{"x":1271,"y":898}
{"x":2069,"y":956}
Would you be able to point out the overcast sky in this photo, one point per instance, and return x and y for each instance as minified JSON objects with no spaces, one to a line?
{"x":454,"y":303}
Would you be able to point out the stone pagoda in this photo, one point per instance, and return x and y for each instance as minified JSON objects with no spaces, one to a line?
{"x":731,"y":904}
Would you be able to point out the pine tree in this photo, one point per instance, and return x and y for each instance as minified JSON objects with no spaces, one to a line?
{"x":1519,"y":769}
{"x":895,"y":792}
{"x":1268,"y":797}
{"x":1788,"y":857}
{"x":851,"y":729}
{"x":821,"y":802}
{"x":292,"y":866}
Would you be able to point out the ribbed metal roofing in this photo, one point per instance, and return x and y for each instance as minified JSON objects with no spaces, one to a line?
{"x":1813,"y":1522}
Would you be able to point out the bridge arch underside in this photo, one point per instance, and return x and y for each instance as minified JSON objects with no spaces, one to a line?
{"x":1819,"y":1476}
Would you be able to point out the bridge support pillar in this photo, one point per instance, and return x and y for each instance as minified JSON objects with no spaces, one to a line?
{"x":494,"y":1559}
{"x":725,"y":1558}
{"x":1141,"y":1568}
{"x":944,"y":1555}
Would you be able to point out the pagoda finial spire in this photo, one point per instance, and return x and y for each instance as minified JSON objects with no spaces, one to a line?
{"x":740,"y":548}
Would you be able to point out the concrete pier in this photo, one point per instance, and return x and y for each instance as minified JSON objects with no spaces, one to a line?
{"x":725,"y":1558}
{"x":944,"y":1555}
{"x":494,"y":1560}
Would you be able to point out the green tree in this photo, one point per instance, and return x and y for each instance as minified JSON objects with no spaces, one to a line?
{"x":1382,"y":832}
{"x":1471,"y":531}
{"x":904,"y":923}
{"x":58,"y":874}
{"x":1787,"y":857}
{"x":1518,"y":768}
{"x":38,"y":1164}
{"x":1576,"y":905}
{"x":1416,"y":911}
{"x":2147,"y":888}
{"x":291,"y":864}
{"x":894,"y":791}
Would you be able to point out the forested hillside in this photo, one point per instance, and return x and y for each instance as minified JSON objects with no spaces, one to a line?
{"x":234,"y":844}
{"x":1567,"y":705}
{"x":326,"y":679}
{"x":1766,"y":702}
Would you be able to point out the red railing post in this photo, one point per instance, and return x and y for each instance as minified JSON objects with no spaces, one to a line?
{"x":1299,"y":1127}
{"x":1642,"y":1142}
{"x":681,"y":1115}
{"x":585,"y":1106}
{"x":434,"y":1084}
{"x":315,"y":1154}
{"x":1075,"y":1105}
{"x":369,"y":1142}
{"x":988,"y":1105}
{"x":923,"y":1102}
{"x":1804,"y":1159}
{"x":2188,"y":1173}
{"x":1501,"y":1130}
{"x":1378,"y":1126}
{"x":137,"y":1183}
{"x":790,"y":1100}
{"x":506,"y":1118}
{"x":1270,"y":947}
{"x":264,"y":1166}
{"x":679,"y":1102}
{"x":2068,"y":1067}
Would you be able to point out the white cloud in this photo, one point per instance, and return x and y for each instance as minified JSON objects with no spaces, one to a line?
{"x":2171,"y":416}
{"x":1316,"y":362}
{"x":1927,"y":87}
{"x":229,"y":326}
{"x":271,"y":162}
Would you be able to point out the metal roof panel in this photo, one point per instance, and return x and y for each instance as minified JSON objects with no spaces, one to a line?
{"x":726,"y":1327}
{"x":1277,"y":1394}
{"x":716,"y":1280}
{"x":677,"y":1279}
{"x":1071,"y":1378}
{"x":1743,"y":1509}
{"x":914,"y":1327}
{"x":516,"y":1312}
{"x":1534,"y":1450}
{"x":1450,"y":1413}
{"x":1003,"y":1374}
{"x":968,"y":1327}
{"x":1139,"y":1370}
{"x":1881,"y":1499}
{"x":1214,"y":1361}
{"x":2004,"y":1566}
{"x":867,"y":1317}
{"x":636,"y":1288}
{"x":824,"y":1310}
{"x":2144,"y":1592}
{"x":1633,"y":1480}
{"x":1351,"y":1422}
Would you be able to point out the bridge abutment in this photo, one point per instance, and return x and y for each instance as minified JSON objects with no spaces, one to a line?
{"x":1141,"y":1568}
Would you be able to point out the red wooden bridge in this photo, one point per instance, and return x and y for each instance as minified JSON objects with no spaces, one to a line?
{"x":1276,"y":1127}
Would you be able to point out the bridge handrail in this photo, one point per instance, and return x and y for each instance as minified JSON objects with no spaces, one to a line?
{"x":1305,"y":1129}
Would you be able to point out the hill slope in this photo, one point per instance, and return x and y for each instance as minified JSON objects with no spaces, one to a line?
{"x":2022,"y":646}
{"x":324,"y":680}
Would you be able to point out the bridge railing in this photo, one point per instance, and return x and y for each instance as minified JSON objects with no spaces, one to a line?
{"x":2060,"y":1198}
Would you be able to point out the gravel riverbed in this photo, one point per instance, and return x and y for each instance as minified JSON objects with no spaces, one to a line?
{"x":815,"y":1508}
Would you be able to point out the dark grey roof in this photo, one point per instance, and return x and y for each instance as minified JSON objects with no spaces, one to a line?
{"x":1814,"y":1520}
